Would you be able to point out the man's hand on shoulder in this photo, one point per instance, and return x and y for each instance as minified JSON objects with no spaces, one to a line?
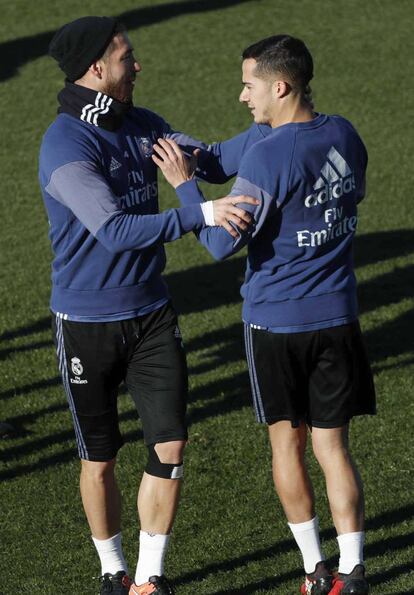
{"x":172,"y":162}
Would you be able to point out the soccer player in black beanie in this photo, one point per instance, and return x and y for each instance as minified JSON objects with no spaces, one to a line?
{"x":112,"y":316}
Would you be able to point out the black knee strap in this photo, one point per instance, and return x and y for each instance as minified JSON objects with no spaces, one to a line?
{"x":163,"y":470}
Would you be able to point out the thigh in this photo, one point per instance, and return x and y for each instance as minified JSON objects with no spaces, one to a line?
{"x":157,"y":377}
{"x":277,"y":369}
{"x":90,"y":364}
{"x":341,"y":383}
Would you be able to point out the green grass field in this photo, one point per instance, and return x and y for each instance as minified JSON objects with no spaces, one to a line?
{"x":230,"y":536}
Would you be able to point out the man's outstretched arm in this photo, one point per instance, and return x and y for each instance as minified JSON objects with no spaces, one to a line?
{"x":80,"y":187}
{"x":245,"y":195}
{"x":217,"y":162}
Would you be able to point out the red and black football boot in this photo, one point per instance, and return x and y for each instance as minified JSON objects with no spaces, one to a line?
{"x":353,"y":583}
{"x":115,"y":584}
{"x":319,"y":582}
{"x":156,"y":585}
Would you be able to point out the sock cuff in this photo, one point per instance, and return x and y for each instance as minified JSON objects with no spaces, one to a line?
{"x":110,"y":541}
{"x":306,"y":526}
{"x":349,"y":537}
{"x":153,"y":540}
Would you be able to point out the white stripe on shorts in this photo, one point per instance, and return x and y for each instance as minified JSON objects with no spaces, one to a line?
{"x":63,"y":367}
{"x":257,"y":399}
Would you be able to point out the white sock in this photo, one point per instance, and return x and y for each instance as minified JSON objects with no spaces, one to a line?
{"x":351,"y":546}
{"x":152,"y":550}
{"x":307,"y":537}
{"x":110,"y":554}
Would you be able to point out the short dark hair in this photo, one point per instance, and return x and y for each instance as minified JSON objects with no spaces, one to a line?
{"x":119,"y":28}
{"x":285,"y":55}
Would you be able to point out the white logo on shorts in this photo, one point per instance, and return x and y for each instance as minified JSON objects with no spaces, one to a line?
{"x":76,"y":366}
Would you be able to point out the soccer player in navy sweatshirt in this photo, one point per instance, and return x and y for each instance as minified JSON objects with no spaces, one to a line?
{"x":307,"y":361}
{"x":112,"y":315}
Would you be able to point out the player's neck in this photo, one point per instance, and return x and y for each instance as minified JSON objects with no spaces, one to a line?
{"x":298,"y":111}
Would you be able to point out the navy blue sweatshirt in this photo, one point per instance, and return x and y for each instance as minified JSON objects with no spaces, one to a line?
{"x":101,"y":195}
{"x":309,"y":178}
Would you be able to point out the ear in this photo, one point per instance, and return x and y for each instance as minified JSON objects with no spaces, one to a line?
{"x":281,"y":88}
{"x":96,"y":69}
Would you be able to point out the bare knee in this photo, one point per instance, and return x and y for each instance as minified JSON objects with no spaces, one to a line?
{"x":170,"y":452}
{"x":287,"y":443}
{"x":328,"y":444}
{"x":98,"y":471}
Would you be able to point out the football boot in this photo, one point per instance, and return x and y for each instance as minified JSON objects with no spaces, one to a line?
{"x":156,"y":585}
{"x":115,"y":584}
{"x":353,"y":583}
{"x":319,"y":582}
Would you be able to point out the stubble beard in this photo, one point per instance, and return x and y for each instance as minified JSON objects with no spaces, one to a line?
{"x":115,"y":91}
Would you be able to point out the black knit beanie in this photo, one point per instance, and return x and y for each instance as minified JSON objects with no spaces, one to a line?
{"x":78,"y":44}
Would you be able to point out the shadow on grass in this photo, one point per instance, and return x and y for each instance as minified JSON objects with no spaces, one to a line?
{"x":17,"y":52}
{"x":31,"y":329}
{"x":378,"y":246}
{"x":218,"y":284}
{"x":234,"y":400}
{"x":372,"y":550}
{"x":28,"y":388}
{"x":19,"y":421}
{"x":225,"y":345}
{"x":212,"y":285}
{"x":392,"y":339}
{"x":389,"y":288}
{"x":392,"y":573}
{"x":218,"y":397}
{"x":45,"y":462}
{"x":377,"y":368}
{"x":277,"y":582}
{"x":221,"y":346}
{"x":4,"y":353}
{"x":227,"y":342}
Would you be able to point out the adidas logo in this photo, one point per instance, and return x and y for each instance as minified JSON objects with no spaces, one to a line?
{"x":114,"y":165}
{"x":336,"y":179}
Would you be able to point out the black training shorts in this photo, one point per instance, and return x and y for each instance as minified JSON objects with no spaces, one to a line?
{"x":147,"y":353}
{"x":321,"y":377}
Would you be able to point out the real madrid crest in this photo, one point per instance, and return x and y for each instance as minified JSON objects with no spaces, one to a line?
{"x":76,"y":366}
{"x":145,"y":145}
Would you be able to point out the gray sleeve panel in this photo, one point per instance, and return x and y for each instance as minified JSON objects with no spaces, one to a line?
{"x":243,"y":186}
{"x":218,"y":241}
{"x":185,"y":141}
{"x":210,"y":166}
{"x":80,"y":187}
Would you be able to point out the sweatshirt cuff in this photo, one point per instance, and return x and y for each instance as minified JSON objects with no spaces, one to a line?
{"x":191,"y":217}
{"x":189,"y":193}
